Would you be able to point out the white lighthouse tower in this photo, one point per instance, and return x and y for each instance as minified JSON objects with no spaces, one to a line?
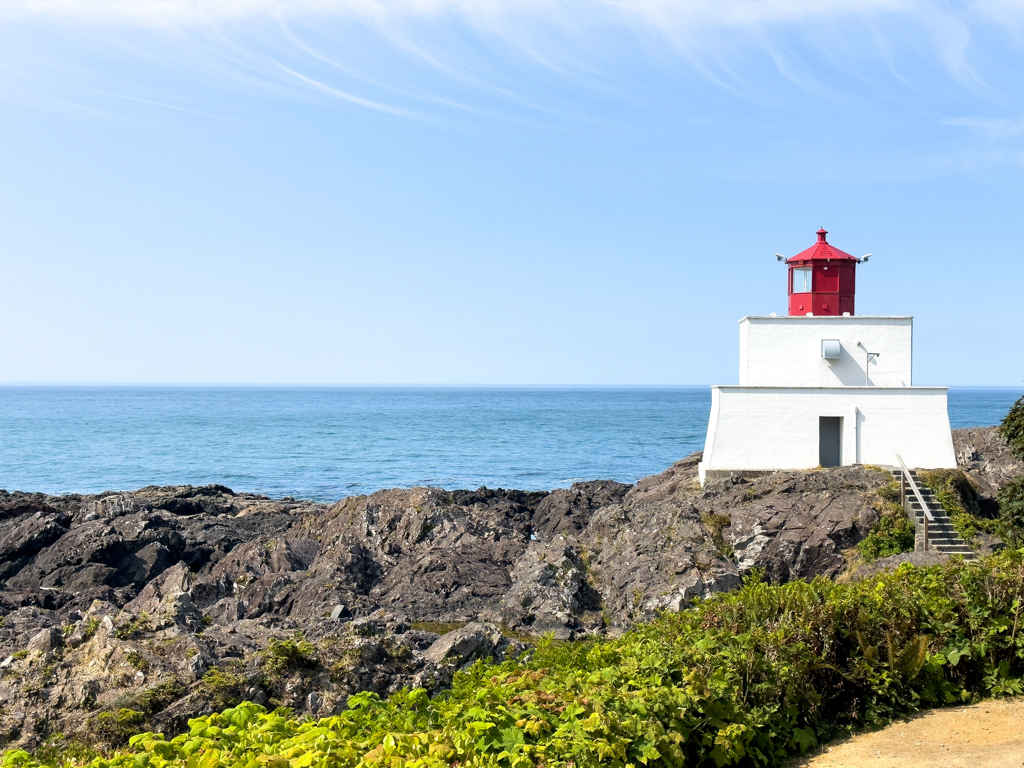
{"x":825,"y":387}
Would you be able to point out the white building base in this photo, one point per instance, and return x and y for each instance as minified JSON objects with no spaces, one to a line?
{"x":767,"y":428}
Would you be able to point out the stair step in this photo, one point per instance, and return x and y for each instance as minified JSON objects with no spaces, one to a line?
{"x":943,"y":545}
{"x":942,"y":536}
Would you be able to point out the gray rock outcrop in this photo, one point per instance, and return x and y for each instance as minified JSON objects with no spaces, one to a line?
{"x":172,"y":602}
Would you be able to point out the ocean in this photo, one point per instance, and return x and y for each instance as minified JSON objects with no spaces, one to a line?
{"x":325,"y":443}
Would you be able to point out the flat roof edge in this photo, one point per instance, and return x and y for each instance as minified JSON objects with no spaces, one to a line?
{"x":829,"y":389}
{"x":827,"y":318}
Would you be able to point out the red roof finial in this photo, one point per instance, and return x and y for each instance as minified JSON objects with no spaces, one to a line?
{"x":821,"y":235}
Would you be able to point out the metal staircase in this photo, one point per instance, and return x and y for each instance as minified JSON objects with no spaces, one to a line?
{"x":933,"y":529}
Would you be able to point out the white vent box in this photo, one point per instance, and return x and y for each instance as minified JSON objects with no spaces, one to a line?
{"x":831,"y":349}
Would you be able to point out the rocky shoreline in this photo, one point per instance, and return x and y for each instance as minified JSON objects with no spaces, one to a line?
{"x":142,"y":609}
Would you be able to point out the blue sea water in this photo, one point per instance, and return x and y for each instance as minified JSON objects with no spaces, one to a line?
{"x":325,"y":443}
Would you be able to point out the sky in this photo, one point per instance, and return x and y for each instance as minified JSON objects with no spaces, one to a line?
{"x":517,"y":192}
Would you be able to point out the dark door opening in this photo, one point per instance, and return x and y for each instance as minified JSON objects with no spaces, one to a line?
{"x":830,"y":441}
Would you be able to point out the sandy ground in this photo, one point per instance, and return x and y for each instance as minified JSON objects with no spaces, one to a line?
{"x":986,"y":735}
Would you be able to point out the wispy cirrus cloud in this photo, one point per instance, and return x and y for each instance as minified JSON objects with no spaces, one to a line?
{"x":417,"y":58}
{"x":989,"y":127}
{"x":663,"y":14}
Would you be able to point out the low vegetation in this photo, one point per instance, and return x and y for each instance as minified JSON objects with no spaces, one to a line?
{"x":894,"y":532}
{"x":1012,"y":429}
{"x":1011,"y":495}
{"x":716,"y":524}
{"x":283,"y":657}
{"x":752,"y":677}
{"x":954,"y":491}
{"x":1011,"y":511}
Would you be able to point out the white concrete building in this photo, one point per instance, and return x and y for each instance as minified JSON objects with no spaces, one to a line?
{"x":825,"y":391}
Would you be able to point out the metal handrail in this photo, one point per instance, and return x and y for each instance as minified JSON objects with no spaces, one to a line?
{"x":917,"y":493}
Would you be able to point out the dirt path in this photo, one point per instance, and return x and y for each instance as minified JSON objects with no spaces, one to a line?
{"x":986,"y":735}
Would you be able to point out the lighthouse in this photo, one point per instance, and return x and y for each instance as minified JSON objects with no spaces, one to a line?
{"x":822,"y":386}
{"x":822,"y":280}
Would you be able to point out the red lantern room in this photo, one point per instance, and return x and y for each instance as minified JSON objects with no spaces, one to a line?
{"x":822,"y":280}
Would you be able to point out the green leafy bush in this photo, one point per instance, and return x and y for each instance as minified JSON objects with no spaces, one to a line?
{"x":58,"y":750}
{"x":749,"y":677}
{"x":1012,"y":429}
{"x":890,"y":492}
{"x":1011,"y":510}
{"x":116,"y":727}
{"x":894,"y":532}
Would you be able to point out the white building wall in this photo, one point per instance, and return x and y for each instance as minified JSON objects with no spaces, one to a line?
{"x":768,"y":428}
{"x":786,"y":351}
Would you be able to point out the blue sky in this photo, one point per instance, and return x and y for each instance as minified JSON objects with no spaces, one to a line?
{"x":496,"y":192}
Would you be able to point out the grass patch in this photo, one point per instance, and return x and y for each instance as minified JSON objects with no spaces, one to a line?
{"x":138,"y":625}
{"x":89,"y":628}
{"x":715,"y":524}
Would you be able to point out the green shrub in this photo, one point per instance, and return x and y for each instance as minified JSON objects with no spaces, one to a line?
{"x":284,"y":657}
{"x":1011,"y":510}
{"x":57,"y":750}
{"x":1012,"y":429}
{"x":137,"y":660}
{"x":90,"y":627}
{"x":891,"y":535}
{"x":223,"y":689}
{"x":139,"y":624}
{"x":156,"y":697}
{"x":116,"y":727}
{"x":890,"y":492}
{"x":750,"y":677}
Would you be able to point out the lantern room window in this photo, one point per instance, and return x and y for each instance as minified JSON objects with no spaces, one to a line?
{"x":801,"y":281}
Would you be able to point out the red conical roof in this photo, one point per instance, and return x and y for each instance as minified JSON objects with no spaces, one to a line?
{"x":822,"y":250}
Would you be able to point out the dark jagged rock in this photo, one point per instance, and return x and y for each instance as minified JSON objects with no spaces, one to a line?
{"x":550,"y":592}
{"x":796,"y":524}
{"x":985,"y":458}
{"x":175,"y":601}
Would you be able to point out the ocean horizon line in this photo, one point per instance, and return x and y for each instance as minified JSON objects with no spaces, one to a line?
{"x":398,"y":386}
